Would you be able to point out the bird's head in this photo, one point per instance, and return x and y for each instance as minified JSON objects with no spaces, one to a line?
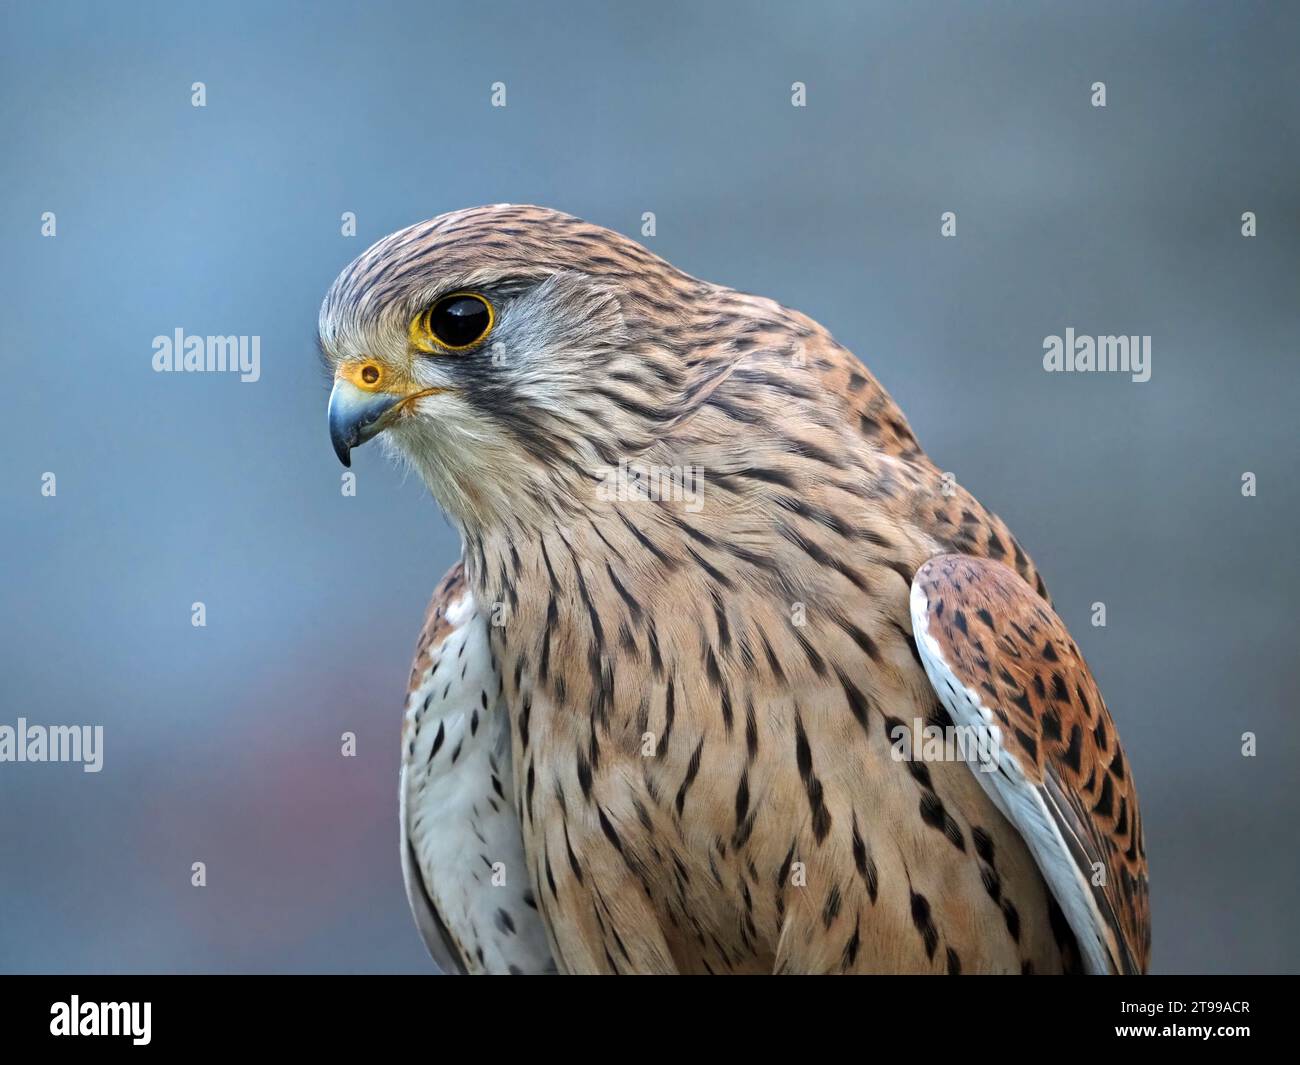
{"x":505,"y":352}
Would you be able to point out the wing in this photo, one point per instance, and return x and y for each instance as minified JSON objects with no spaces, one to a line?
{"x":462,"y":849}
{"x":1045,"y":748}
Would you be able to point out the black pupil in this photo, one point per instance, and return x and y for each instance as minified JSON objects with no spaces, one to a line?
{"x":459,"y":320}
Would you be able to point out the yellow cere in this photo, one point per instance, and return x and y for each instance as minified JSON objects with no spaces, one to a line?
{"x":369,"y":376}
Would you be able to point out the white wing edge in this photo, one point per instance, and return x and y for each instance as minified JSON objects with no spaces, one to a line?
{"x":433,"y":930}
{"x":1015,"y":796}
{"x":459,"y":824}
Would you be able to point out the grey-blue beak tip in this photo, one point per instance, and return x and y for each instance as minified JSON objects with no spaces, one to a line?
{"x":343,"y":442}
{"x":354,"y":417}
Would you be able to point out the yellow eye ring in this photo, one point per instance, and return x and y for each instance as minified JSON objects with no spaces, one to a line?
{"x":455,"y":322}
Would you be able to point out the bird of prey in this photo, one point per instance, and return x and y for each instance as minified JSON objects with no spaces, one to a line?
{"x":672,"y":711}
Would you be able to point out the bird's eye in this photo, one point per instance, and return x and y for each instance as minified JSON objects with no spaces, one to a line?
{"x":454,"y":323}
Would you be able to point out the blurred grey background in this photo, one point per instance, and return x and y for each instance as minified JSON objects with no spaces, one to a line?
{"x":222,"y":744}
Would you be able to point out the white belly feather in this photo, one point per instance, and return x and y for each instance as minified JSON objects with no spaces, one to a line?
{"x":462,"y":849}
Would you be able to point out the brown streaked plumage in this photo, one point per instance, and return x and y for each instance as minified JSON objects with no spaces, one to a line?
{"x":706,"y":684}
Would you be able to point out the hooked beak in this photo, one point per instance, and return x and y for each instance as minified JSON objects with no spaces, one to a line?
{"x":366,"y":400}
{"x":355,"y":416}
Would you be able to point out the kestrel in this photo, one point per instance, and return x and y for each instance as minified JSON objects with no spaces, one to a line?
{"x":730,"y":678}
